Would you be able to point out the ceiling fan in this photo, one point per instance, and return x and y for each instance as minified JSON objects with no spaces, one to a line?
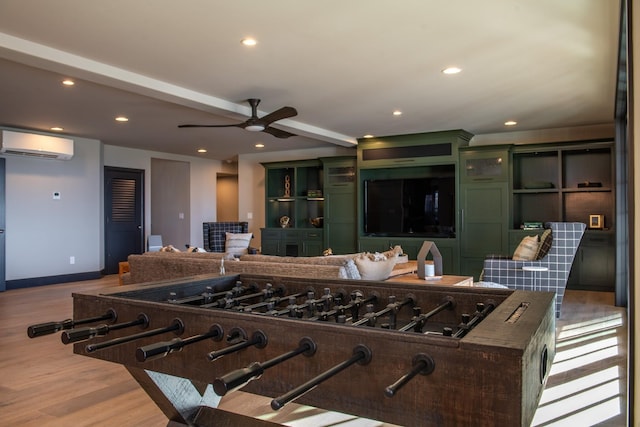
{"x":258,"y":124}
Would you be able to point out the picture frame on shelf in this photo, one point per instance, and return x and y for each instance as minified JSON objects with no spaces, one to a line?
{"x":596,"y":221}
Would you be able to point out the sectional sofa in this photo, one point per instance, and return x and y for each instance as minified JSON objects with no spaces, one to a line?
{"x":155,"y":266}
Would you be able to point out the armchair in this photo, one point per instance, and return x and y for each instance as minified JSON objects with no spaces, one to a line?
{"x":566,"y":237}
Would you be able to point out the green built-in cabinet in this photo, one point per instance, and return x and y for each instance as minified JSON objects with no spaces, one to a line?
{"x":484,"y":206}
{"x":294,"y":197}
{"x":318,"y":198}
{"x":485,"y":193}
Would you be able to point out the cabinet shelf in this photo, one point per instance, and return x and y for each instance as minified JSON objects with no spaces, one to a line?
{"x":587,"y":190}
{"x":536,"y":191}
{"x":565,"y":190}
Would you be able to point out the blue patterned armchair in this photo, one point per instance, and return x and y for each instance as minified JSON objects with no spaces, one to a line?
{"x":566,"y":238}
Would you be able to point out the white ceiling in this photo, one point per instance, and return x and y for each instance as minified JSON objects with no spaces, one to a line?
{"x":344,"y":65}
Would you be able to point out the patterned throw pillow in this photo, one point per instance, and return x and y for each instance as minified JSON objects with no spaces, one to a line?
{"x":545,"y":244}
{"x":351,"y":270}
{"x":527,"y":249}
{"x":237,"y":243}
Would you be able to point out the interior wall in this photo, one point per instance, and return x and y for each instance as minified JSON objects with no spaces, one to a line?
{"x":227,"y":198}
{"x":43,"y":233}
{"x":171,"y":201}
{"x":202,"y":193}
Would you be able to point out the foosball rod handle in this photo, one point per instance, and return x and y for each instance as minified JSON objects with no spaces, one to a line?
{"x":361,"y":355}
{"x":48,"y":328}
{"x":86,"y":333}
{"x":422,"y":364}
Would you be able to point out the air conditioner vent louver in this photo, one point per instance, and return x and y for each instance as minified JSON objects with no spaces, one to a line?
{"x":36,"y":145}
{"x":23,"y":153}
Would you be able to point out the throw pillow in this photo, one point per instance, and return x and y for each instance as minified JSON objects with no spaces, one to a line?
{"x":374,"y":270}
{"x":351,"y":269}
{"x":527,"y":249}
{"x":545,"y":244}
{"x":237,"y":243}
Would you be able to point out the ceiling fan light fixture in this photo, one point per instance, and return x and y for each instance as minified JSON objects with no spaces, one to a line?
{"x":451,"y":70}
{"x":254,"y":128}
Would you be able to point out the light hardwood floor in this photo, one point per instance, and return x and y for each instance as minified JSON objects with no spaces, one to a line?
{"x":42,"y":383}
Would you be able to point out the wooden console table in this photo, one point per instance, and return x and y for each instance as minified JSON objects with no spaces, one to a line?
{"x":407,"y":273}
{"x":442,"y":281}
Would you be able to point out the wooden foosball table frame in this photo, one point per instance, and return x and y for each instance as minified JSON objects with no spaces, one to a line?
{"x":494,"y":374}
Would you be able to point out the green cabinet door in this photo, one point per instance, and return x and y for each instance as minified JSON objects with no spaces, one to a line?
{"x":340,"y":215}
{"x":484,"y":207}
{"x":595,"y":263}
{"x":484,"y":219}
{"x":340,"y":222}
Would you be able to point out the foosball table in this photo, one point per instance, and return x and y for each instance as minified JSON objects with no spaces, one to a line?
{"x":402,"y":353}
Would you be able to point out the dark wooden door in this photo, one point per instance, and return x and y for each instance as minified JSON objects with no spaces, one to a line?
{"x":123,"y":215}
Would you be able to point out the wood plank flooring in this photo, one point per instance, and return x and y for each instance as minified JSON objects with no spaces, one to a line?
{"x":42,"y":383}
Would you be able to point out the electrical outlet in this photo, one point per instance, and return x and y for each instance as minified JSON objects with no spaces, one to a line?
{"x":72,"y":260}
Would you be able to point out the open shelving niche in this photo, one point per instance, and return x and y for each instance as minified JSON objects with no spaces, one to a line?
{"x":569,"y":183}
{"x":293,"y":190}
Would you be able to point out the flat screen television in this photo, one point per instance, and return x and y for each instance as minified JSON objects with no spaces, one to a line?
{"x":415,"y":207}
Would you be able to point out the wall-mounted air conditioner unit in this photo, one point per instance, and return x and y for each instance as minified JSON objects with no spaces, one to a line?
{"x":35,"y":145}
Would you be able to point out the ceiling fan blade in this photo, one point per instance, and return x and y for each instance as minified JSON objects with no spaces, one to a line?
{"x":238,"y":125}
{"x":278,"y":133}
{"x":282,"y":113}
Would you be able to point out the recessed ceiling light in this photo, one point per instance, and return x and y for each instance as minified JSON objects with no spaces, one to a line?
{"x":202,"y":150}
{"x":368,"y":136}
{"x":397,"y":113}
{"x":122,"y":119}
{"x":259,"y":145}
{"x":510,"y":123}
{"x":249,"y":41}
{"x":57,"y":128}
{"x":68,"y":82}
{"x":451,"y":70}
